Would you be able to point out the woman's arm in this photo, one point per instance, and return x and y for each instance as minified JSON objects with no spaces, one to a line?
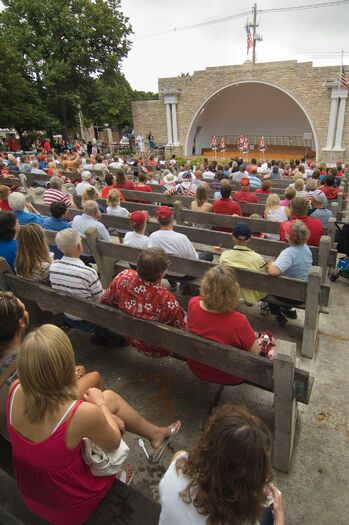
{"x":279,"y":516}
{"x":273,"y":270}
{"x":255,"y":348}
{"x":107,"y":434}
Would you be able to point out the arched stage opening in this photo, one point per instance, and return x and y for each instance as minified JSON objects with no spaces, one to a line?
{"x":254,"y":108}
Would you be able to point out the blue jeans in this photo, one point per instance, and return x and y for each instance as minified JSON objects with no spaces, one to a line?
{"x":267,"y":518}
{"x":86,"y":326}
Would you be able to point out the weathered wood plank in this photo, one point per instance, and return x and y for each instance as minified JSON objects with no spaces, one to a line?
{"x":197,"y":235}
{"x":285,"y":406}
{"x":281,"y":286}
{"x":232,"y":360}
{"x":311,"y":319}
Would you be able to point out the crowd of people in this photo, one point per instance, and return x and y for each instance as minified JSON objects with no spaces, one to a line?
{"x":225,"y":477}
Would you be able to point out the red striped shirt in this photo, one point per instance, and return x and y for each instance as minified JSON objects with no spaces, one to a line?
{"x":53,"y":195}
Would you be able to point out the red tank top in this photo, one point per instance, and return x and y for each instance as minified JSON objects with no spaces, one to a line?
{"x":54,"y":480}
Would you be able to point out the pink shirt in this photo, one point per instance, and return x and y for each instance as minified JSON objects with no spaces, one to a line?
{"x":54,"y":481}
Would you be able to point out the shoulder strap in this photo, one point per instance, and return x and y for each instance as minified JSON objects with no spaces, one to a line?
{"x":6,"y":374}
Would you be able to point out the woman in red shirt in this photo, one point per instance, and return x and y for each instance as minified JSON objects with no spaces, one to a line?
{"x":110,"y":185}
{"x":122,"y":182}
{"x":212,"y":315}
{"x":4,"y":193}
{"x":47,"y":421}
{"x":142,"y":186}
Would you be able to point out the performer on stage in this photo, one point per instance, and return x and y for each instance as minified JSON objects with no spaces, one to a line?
{"x":262,"y":147}
{"x":245,"y":147}
{"x":214,"y":145}
{"x":140,"y":144}
{"x":222,"y":146}
{"x":241,"y":143}
{"x":151,"y":142}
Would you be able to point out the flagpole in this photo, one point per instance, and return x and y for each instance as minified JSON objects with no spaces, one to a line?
{"x":338,"y":89}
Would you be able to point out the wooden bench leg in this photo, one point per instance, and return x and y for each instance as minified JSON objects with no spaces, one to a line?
{"x":105,"y":265}
{"x":312,"y":310}
{"x":285,"y":406}
{"x":324,"y":252}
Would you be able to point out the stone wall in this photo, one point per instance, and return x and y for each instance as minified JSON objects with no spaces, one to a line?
{"x":301,"y":80}
{"x":150,"y":115}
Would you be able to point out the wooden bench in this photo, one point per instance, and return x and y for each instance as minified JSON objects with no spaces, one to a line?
{"x":323,"y":256}
{"x":123,"y":505}
{"x":314,"y":295}
{"x":280,"y":376}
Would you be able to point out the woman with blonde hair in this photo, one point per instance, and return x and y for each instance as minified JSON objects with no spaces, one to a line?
{"x":300,"y":190}
{"x":91,"y":194}
{"x":33,"y":258}
{"x":226,"y":476}
{"x":47,"y":423}
{"x":212,"y":315}
{"x":289,"y":194}
{"x":113,"y":204}
{"x":273,"y":211}
{"x":200,"y":204}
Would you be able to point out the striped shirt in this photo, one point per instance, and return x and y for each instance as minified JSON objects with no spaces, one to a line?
{"x":72,"y":276}
{"x":53,"y":195}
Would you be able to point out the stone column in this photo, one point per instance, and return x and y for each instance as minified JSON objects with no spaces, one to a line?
{"x":169,"y":124}
{"x":174,"y":123}
{"x":340,"y":121}
{"x":171,"y":99}
{"x":332,"y":121}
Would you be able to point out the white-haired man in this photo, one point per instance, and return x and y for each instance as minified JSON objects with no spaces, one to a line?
{"x":86,"y":179}
{"x":90,"y":219}
{"x":71,"y":276}
{"x":24,"y":211}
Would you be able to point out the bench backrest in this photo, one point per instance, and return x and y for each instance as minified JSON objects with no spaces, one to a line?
{"x":223,"y":357}
{"x":322,"y":256}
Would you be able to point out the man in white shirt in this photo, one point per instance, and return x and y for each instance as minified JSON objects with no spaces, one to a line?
{"x":86,"y":179}
{"x":72,"y":277}
{"x":136,"y":238}
{"x":172,"y":242}
{"x":90,"y":219}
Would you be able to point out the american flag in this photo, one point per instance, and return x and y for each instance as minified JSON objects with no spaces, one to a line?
{"x":249,"y":36}
{"x":343,"y":80}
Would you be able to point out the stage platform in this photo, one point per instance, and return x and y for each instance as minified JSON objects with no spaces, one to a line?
{"x":284,"y":153}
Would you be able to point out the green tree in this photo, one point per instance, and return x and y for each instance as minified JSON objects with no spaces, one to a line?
{"x":145,"y":95}
{"x":21,"y":107}
{"x":67,"y":46}
{"x":110,"y":101}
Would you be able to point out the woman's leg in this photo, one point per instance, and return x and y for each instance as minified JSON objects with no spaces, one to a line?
{"x":88,"y":380}
{"x":134,"y":422}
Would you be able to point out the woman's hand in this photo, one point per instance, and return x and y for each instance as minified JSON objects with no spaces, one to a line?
{"x":120,"y":424}
{"x":279,"y":517}
{"x":95,"y":396}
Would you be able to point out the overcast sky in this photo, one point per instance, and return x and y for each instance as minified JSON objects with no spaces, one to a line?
{"x":300,"y":35}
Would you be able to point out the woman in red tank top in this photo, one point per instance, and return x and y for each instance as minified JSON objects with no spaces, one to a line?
{"x":46,"y":425}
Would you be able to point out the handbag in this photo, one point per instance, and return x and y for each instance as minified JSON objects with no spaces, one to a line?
{"x":103,"y":462}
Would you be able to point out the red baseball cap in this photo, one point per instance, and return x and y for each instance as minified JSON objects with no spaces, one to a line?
{"x":138,"y":218}
{"x":164,"y":212}
{"x":245,"y":181}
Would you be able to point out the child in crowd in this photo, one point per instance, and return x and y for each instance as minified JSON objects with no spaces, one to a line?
{"x":33,"y":258}
{"x":257,"y":235}
{"x":113,"y":204}
{"x":137,"y":238}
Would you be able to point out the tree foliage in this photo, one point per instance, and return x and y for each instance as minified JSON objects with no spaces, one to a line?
{"x":63,"y":54}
